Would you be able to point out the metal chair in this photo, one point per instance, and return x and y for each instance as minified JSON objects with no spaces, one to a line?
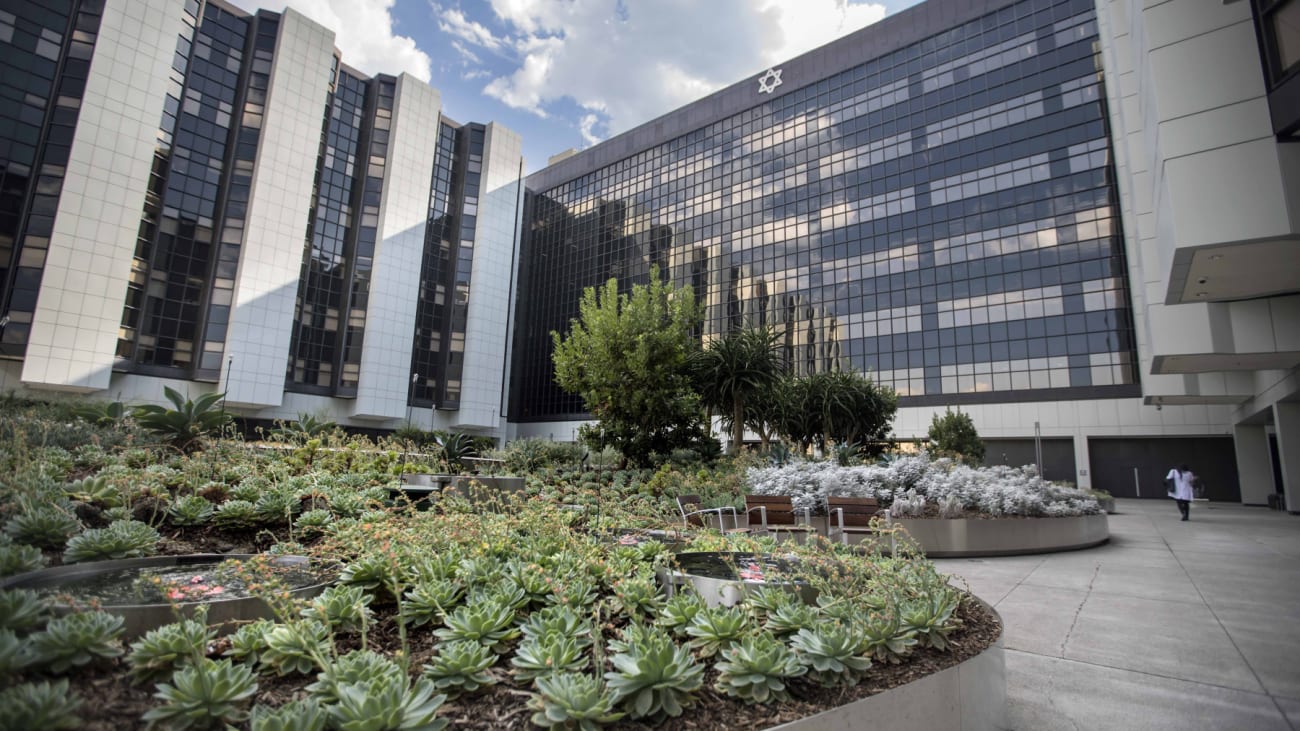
{"x":693,"y":514}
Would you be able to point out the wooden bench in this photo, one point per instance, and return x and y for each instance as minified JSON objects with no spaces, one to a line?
{"x":776,"y":513}
{"x":847,"y":516}
{"x":693,"y":514}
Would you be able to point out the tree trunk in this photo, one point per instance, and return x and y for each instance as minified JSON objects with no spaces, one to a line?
{"x":737,"y":425}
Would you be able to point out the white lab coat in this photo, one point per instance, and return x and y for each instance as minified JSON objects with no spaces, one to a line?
{"x":1182,"y":484}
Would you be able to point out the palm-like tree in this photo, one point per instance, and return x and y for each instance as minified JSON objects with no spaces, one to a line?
{"x":731,"y":372}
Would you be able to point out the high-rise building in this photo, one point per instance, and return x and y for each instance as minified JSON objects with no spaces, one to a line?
{"x":1076,"y":220}
{"x":195,"y":193}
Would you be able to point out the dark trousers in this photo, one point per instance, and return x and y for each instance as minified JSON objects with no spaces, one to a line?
{"x":1183,"y":507}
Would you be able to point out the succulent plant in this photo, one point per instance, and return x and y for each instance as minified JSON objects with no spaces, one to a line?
{"x":313,"y":522}
{"x":190,"y":510}
{"x":161,"y":651}
{"x":887,"y":639}
{"x":384,"y":704}
{"x":296,"y":647}
{"x":461,"y":667}
{"x":359,"y":666}
{"x":638,"y":596}
{"x":22,"y":610}
{"x":548,"y":654}
{"x":47,"y":706}
{"x":488,"y":623}
{"x":17,"y":558}
{"x":572,"y":701}
{"x":209,"y":694}
{"x":344,"y":608}
{"x":716,"y":628}
{"x":98,"y":490}
{"x":654,"y":678}
{"x":756,"y":670}
{"x":765,"y":600}
{"x":529,"y":579}
{"x":121,"y":539}
{"x":931,"y":617}
{"x":44,"y":526}
{"x":249,"y":641}
{"x":371,"y":572}
{"x":277,"y":507}
{"x":480,"y":570}
{"x":558,"y":620}
{"x":832,"y":652}
{"x":792,"y":618}
{"x":77,"y":639}
{"x":679,"y":611}
{"x":300,"y":715}
{"x":575,"y":591}
{"x":14,"y":653}
{"x":430,"y":600}
{"x":236,"y":515}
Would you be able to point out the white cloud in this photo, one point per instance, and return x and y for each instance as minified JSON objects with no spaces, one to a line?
{"x":466,"y":54}
{"x":453,"y":21}
{"x":363,"y":31}
{"x":625,"y":62}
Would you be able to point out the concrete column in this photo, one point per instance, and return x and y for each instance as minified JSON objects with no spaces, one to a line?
{"x":1286,"y":419}
{"x":1082,"y":464}
{"x":1253,"y":463}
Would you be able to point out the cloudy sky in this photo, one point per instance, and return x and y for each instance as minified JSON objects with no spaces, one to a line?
{"x":570,"y":73}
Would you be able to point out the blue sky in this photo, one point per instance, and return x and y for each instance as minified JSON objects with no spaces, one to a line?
{"x":569,"y":73}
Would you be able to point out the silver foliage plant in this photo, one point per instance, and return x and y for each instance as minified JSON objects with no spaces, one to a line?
{"x":907,"y":484}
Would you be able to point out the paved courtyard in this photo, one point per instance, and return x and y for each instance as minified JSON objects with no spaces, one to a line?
{"x":1170,"y":625}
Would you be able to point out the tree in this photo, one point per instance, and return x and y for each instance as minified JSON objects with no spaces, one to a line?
{"x":627,"y":357}
{"x":735,"y":371}
{"x":838,"y":406}
{"x":954,"y":433}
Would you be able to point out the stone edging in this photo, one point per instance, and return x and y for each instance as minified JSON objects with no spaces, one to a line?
{"x":961,"y":537}
{"x":970,"y":696}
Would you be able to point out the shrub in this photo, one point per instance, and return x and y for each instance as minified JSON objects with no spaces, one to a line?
{"x":954,"y":433}
{"x":121,"y":539}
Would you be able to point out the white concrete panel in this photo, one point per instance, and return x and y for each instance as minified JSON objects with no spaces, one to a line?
{"x":79,"y":307}
{"x":1284,"y":316}
{"x":500,"y":209}
{"x":1254,"y":464}
{"x":1286,"y":419}
{"x":1227,"y":194}
{"x":403,"y":214}
{"x":266,"y":284}
{"x":1205,"y":71}
{"x":1233,"y":124}
{"x":1177,"y":20}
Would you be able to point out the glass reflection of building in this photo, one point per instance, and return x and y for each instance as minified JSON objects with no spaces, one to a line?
{"x":941,"y":216}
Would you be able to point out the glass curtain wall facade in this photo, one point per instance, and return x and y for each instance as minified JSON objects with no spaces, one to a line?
{"x":45,"y":51}
{"x":942,"y":217}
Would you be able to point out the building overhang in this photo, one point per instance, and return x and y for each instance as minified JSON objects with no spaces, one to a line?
{"x":1235,"y":271}
{"x":1218,"y":362}
{"x":1191,"y":399}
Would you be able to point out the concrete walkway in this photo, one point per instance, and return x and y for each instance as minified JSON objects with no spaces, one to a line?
{"x":1170,"y":625}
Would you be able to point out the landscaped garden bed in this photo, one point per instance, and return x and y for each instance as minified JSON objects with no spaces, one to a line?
{"x":495,"y":612}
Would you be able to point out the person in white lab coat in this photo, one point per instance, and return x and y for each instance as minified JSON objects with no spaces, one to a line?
{"x":1180,"y":488}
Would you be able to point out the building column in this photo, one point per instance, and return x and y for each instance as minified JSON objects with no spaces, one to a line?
{"x":1286,"y":419}
{"x":1082,"y":463}
{"x":1254,"y":469}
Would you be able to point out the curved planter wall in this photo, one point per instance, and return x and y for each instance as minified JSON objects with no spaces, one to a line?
{"x":957,"y":537}
{"x":971,"y":696}
{"x":140,"y":618}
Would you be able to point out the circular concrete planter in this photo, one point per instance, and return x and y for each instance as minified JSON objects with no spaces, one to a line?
{"x":958,"y":537}
{"x":971,"y":696}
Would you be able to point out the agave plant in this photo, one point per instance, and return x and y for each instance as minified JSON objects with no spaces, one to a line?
{"x":573,"y":700}
{"x":930,"y":617}
{"x":887,"y":640}
{"x":757,"y":668}
{"x":211,"y":693}
{"x":185,"y":426}
{"x":456,"y":447}
{"x":655,"y":678}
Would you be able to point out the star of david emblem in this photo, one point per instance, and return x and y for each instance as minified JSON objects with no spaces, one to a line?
{"x":768,"y":82}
